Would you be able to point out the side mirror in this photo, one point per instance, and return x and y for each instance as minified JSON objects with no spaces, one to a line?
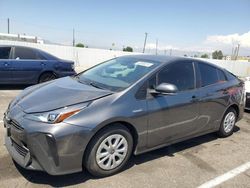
{"x":165,"y":89}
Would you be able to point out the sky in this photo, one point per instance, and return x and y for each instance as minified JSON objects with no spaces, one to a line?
{"x":184,"y":25}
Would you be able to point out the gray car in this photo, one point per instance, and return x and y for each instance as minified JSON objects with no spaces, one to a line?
{"x":127,"y":105}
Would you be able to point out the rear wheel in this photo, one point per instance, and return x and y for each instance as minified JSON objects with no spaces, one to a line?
{"x":47,"y":76}
{"x":228,"y":123}
{"x":109,"y":151}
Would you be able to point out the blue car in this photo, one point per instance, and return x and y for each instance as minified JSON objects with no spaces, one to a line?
{"x":24,"y":65}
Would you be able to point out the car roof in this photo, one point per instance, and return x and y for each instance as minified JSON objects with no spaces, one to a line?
{"x":167,"y":59}
{"x":158,"y":58}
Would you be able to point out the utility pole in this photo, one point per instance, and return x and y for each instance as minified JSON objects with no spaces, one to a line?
{"x":232,"y":55}
{"x":145,"y":41}
{"x":235,"y":51}
{"x":8,"y":24}
{"x":238,"y":48}
{"x":156,"y":47}
{"x":73,"y":37}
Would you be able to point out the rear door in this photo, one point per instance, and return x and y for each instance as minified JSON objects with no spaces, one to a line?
{"x":27,"y":65}
{"x":214,"y":95}
{"x":5,"y":65}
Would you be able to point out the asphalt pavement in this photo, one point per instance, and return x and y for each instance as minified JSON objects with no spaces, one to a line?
{"x":206,"y":160}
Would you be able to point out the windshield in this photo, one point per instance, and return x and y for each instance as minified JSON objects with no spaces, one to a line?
{"x":117,"y":74}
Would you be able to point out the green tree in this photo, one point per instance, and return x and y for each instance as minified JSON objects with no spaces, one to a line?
{"x":217,"y":54}
{"x":128,"y":49}
{"x":204,"y":56}
{"x":80,"y":45}
{"x":195,"y":55}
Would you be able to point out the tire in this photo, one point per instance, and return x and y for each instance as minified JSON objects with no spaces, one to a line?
{"x":228,"y":123}
{"x":47,"y":76}
{"x":113,"y":162}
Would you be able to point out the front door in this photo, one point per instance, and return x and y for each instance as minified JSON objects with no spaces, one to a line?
{"x":171,"y":117}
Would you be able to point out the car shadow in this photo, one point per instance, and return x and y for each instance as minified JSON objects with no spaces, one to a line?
{"x":38,"y":177}
{"x":13,"y":87}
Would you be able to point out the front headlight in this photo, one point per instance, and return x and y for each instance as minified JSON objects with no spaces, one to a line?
{"x":58,"y":115}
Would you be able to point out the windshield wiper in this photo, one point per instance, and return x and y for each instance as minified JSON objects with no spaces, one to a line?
{"x":96,"y":86}
{"x":88,"y":83}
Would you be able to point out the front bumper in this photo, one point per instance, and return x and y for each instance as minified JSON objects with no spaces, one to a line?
{"x":56,"y":149}
{"x":247,"y":105}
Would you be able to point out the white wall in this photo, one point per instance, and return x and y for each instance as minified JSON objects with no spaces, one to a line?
{"x":87,"y":57}
{"x":83,"y":57}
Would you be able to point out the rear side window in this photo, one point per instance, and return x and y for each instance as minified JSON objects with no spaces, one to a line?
{"x":230,"y":76}
{"x":5,"y":52}
{"x":221,"y":76}
{"x":208,"y":74}
{"x":180,"y":74}
{"x":25,"y":53}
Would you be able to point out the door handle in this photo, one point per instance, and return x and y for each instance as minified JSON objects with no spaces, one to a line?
{"x":6,"y":64}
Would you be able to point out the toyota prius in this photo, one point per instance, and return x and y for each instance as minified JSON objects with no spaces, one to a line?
{"x":124,"y":106}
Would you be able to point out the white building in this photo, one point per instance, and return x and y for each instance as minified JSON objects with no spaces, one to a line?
{"x":18,"y":37}
{"x":228,"y":58}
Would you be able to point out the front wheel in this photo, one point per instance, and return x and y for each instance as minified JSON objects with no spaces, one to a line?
{"x":228,"y":123}
{"x":109,"y":151}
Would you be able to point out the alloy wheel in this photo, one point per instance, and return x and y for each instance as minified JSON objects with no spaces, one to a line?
{"x":112,"y":152}
{"x":229,"y":122}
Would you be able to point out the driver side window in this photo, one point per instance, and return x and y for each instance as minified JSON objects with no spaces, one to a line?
{"x":181,"y":74}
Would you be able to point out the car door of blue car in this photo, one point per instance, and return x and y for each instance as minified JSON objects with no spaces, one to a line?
{"x":27,"y":65}
{"x":5,"y":65}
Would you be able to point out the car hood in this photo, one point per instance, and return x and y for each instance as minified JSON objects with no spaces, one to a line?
{"x":57,"y":94}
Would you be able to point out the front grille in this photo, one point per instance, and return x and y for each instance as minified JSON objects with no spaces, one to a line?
{"x":15,"y":125}
{"x":20,"y":149}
